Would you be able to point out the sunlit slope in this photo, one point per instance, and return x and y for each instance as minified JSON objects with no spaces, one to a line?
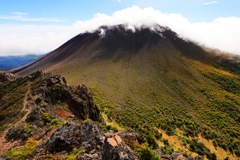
{"x":146,"y":80}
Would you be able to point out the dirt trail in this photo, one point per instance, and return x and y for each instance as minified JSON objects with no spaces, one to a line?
{"x":7,"y":145}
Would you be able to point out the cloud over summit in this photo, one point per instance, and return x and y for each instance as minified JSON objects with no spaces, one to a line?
{"x":221,"y":33}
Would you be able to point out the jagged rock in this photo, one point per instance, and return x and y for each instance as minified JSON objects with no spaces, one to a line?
{"x":132,"y":136}
{"x":3,"y":157}
{"x":194,"y":158}
{"x":36,"y":74}
{"x":19,"y":132}
{"x":40,"y":133}
{"x":166,"y":157}
{"x":159,"y":152}
{"x":177,"y":156}
{"x":79,"y":101}
{"x":88,"y":157}
{"x":35,"y":117}
{"x":90,"y":136}
{"x":89,"y":131}
{"x":65,"y":138}
{"x":56,"y":79}
{"x":5,"y":77}
{"x":115,"y":148}
{"x":54,"y":90}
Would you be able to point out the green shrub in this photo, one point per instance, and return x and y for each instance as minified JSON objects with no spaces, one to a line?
{"x":55,"y":121}
{"x":28,"y":149}
{"x":146,"y":153}
{"x":151,"y":140}
{"x":110,"y":127}
{"x":87,"y":120}
{"x":73,"y":155}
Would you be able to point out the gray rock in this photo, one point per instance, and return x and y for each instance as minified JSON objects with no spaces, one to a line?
{"x":115,"y":148}
{"x":88,"y":157}
{"x":64,"y":138}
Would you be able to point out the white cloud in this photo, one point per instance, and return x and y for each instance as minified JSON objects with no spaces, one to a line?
{"x":119,"y":1}
{"x":207,"y":3}
{"x":19,"y":13}
{"x":221,"y":33}
{"x":22,"y":17}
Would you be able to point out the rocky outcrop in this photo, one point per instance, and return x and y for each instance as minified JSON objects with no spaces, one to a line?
{"x":6,"y":77}
{"x":94,"y":144}
{"x":132,"y":136}
{"x":115,"y":148}
{"x":54,"y":90}
{"x":64,"y":139}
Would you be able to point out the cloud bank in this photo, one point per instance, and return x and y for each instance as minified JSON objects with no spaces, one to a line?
{"x":221,"y":33}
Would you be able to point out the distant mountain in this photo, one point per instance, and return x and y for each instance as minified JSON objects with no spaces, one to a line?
{"x":158,"y":84}
{"x":8,"y":62}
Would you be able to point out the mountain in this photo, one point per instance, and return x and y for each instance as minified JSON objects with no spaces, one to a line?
{"x":153,"y":81}
{"x":9,"y":62}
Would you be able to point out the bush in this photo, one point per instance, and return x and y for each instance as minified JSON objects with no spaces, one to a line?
{"x":146,"y":153}
{"x":110,"y":127}
{"x":151,"y":140}
{"x":28,"y":149}
{"x":87,"y":120}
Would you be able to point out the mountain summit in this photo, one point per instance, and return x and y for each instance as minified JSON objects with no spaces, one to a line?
{"x":118,"y":43}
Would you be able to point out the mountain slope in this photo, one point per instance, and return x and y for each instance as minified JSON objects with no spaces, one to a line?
{"x":149,"y":80}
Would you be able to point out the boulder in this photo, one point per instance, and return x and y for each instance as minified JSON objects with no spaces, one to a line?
{"x":132,"y":136}
{"x":115,"y":148}
{"x":64,"y":138}
{"x":88,"y":157}
{"x":7,"y":77}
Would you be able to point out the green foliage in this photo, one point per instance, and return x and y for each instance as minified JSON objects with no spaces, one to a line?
{"x":146,"y":153}
{"x":23,"y":154}
{"x":11,"y":101}
{"x":27,"y":129}
{"x":48,"y":119}
{"x":129,"y":101}
{"x":229,"y":84}
{"x":56,"y":86}
{"x":227,"y":158}
{"x":110,"y":127}
{"x":87,"y":120}
{"x":73,"y":154}
{"x":99,"y":98}
{"x":55,"y":121}
{"x":151,"y":140}
{"x":200,"y":148}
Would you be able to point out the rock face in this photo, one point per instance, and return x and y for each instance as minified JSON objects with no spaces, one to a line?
{"x":5,"y":77}
{"x":115,"y":148}
{"x":87,"y":136}
{"x":54,"y":91}
{"x":139,"y":139}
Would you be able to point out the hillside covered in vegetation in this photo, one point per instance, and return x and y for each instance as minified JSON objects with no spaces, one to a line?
{"x":158,"y":84}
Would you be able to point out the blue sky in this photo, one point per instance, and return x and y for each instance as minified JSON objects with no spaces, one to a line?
{"x":66,"y":12}
{"x":28,"y":25}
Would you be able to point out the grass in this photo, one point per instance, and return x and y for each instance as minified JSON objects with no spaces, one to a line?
{"x":23,"y":154}
{"x":11,"y":101}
